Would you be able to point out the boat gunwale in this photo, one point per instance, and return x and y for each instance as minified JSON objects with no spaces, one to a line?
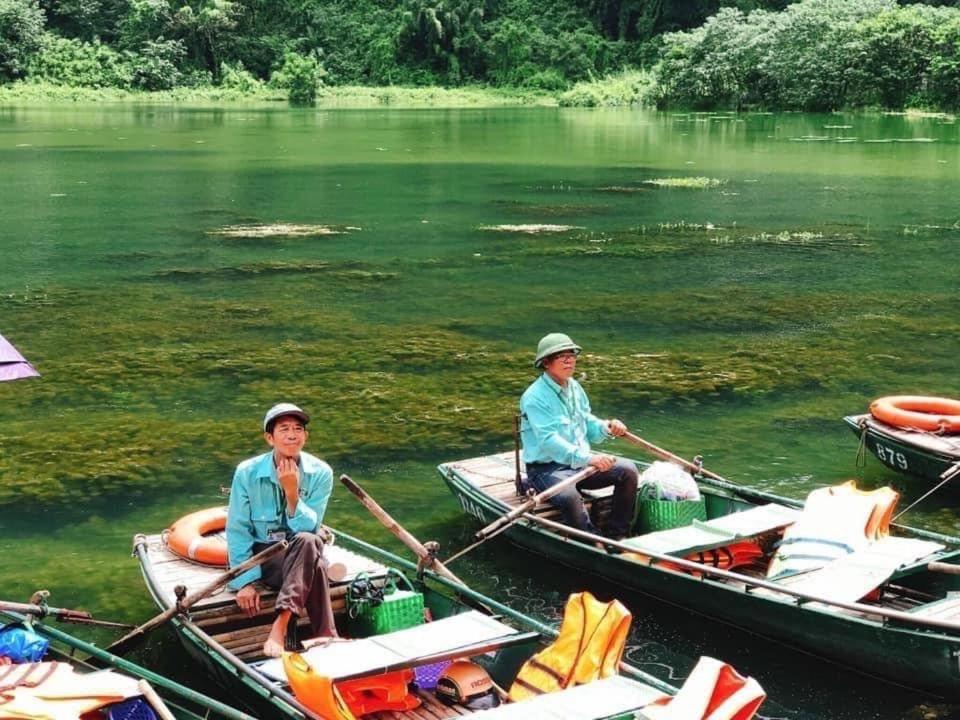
{"x":927,"y":627}
{"x":461,"y":594}
{"x":898,"y":435}
{"x":164,"y":684}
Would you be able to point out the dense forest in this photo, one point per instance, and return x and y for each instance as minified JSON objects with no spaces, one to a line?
{"x":812,"y":54}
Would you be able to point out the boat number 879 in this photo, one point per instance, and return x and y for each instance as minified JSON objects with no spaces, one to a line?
{"x":891,"y":457}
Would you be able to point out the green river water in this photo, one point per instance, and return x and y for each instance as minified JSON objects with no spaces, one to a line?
{"x":739,"y":283}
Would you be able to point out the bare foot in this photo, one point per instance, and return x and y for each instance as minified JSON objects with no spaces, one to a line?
{"x":274,"y":645}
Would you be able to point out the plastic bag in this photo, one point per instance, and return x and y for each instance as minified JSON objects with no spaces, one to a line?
{"x":21,"y":644}
{"x":667,"y":481}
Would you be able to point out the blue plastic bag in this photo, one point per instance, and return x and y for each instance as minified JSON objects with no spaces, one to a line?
{"x":21,"y":644}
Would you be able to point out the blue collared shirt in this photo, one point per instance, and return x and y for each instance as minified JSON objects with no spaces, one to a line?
{"x":258,"y":508}
{"x":557,"y":424}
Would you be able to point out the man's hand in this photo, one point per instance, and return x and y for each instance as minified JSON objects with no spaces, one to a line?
{"x":248,"y":599}
{"x":602,"y":462}
{"x":288,"y":473}
{"x":616,"y":428}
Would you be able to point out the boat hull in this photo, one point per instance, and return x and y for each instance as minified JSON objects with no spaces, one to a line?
{"x":917,"y":659}
{"x":918,"y":454}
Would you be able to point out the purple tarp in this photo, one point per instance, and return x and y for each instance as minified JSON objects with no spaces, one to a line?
{"x":13,"y":365}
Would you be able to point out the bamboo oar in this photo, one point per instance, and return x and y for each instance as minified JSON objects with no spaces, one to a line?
{"x":505,"y":521}
{"x":699,"y":469}
{"x":123,"y":643}
{"x":155,"y":701}
{"x":426,"y":557}
{"x":532,"y":502}
{"x":61,"y":614}
{"x":254,"y":674}
{"x":696,"y":469}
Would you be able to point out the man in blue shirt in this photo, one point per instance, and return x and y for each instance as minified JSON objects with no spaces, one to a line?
{"x":557,"y":429}
{"x":282,"y":495}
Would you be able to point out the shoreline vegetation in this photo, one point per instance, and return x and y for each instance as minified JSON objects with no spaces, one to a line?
{"x":770,"y":55}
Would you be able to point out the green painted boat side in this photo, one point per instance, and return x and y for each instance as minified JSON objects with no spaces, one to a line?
{"x":442,"y":596}
{"x":923,"y":659}
{"x":184,"y":703}
{"x":899,"y":450}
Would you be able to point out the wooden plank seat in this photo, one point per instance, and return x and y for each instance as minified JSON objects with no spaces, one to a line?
{"x":711,"y":534}
{"x":465,"y":635}
{"x":852,"y":576}
{"x":947,"y":608}
{"x":601,"y":698}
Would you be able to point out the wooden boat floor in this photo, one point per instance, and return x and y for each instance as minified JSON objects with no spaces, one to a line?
{"x":495,"y":475}
{"x":170,"y":570}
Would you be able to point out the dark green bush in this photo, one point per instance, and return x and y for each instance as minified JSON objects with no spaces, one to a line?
{"x":300,"y":76}
{"x":21,"y":32}
{"x":64,"y":61}
{"x":156,"y":66}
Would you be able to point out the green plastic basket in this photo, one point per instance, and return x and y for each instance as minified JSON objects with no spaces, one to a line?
{"x":653,"y":515}
{"x":397,"y":610}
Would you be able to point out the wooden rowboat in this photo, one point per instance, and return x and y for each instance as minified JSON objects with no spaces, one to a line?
{"x":919,"y":453}
{"x":229,"y":644}
{"x":909,"y":633}
{"x":83,"y":657}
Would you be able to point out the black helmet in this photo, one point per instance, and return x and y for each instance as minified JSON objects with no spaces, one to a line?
{"x":466,"y":683}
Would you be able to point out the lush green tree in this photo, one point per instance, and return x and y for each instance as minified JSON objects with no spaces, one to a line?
{"x":446,"y":38}
{"x":300,"y":76}
{"x":21,"y":33}
{"x":157,"y":65}
{"x":69,"y":61}
{"x":86,"y":19}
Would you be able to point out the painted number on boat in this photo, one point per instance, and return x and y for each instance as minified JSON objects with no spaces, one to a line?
{"x":471,"y":507}
{"x":891,"y":457}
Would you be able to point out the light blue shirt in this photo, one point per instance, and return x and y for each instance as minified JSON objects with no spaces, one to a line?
{"x":557,"y":425}
{"x":258,"y":508}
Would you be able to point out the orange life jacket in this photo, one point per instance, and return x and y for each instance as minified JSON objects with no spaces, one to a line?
{"x":315,"y":691}
{"x":590,"y":645}
{"x":714,"y":691}
{"x":727,"y":557}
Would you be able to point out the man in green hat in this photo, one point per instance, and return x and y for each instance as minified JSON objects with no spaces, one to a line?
{"x":557,"y":429}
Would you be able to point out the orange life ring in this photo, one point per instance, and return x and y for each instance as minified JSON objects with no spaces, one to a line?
{"x":917,"y":411}
{"x":190,"y":538}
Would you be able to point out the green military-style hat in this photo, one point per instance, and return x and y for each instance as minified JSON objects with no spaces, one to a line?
{"x":552,"y":344}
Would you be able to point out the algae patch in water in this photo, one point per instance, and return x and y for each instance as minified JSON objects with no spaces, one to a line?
{"x":693,"y":183}
{"x":343,"y":271}
{"x":530,"y":229}
{"x":278,"y":231}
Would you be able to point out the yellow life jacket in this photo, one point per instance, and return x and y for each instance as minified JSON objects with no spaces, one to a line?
{"x":590,"y":645}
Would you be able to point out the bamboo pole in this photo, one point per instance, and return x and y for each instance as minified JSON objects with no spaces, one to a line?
{"x":124,"y":643}
{"x":155,"y":701}
{"x":81,"y":617}
{"x":244,"y":669}
{"x":426,"y":557}
{"x":532,"y":502}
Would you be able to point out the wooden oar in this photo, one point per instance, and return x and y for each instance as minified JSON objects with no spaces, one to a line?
{"x":61,"y":614}
{"x":124,"y":643}
{"x":505,"y":521}
{"x":694,"y":468}
{"x":532,"y":502}
{"x":426,"y":557}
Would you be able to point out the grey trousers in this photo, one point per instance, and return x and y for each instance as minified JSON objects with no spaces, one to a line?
{"x":300,"y":574}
